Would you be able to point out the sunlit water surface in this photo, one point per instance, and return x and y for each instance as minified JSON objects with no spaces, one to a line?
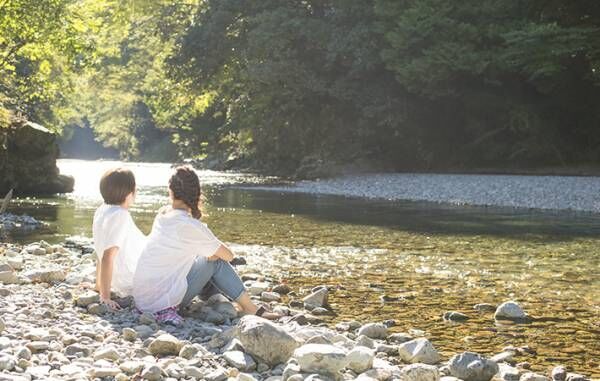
{"x":425,"y":258}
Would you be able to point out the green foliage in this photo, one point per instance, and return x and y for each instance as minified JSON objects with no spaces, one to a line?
{"x":400,"y":84}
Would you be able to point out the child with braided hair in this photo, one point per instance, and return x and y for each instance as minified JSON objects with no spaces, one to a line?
{"x":183,"y":256}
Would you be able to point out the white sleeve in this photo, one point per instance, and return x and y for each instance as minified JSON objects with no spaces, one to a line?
{"x":115,"y":230}
{"x":199,"y":238}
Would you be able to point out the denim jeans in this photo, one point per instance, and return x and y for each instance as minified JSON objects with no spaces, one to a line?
{"x":205,"y":276}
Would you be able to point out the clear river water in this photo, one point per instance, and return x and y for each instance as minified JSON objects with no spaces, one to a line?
{"x":406,"y":261}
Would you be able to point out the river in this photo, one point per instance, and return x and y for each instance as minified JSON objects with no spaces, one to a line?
{"x":407,"y":261}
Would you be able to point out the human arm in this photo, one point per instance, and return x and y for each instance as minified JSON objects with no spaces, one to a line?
{"x":224,"y":253}
{"x":105,"y":276}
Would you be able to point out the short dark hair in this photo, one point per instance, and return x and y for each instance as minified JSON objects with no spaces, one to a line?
{"x":116,"y":184}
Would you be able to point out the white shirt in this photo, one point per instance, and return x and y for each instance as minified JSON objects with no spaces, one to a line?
{"x":174,"y":243}
{"x":114,"y":227}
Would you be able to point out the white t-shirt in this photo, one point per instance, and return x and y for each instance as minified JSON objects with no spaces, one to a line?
{"x":174,"y":243}
{"x":113,"y":226}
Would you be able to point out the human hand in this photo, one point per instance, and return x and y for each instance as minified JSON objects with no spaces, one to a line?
{"x":213,"y":258}
{"x":110,"y":303}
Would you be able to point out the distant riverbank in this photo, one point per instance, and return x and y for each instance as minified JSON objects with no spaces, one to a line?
{"x":576,"y":193}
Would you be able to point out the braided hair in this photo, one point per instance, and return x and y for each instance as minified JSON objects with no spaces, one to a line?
{"x":185,"y":185}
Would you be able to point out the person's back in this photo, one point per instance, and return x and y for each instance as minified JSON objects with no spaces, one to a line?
{"x":117,"y":240}
{"x":174,"y":243}
{"x":114,"y":227}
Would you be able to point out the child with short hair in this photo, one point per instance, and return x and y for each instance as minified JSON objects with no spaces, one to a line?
{"x":117,"y":240}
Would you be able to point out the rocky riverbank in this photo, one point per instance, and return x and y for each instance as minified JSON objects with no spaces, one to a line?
{"x":51,"y":328}
{"x":539,"y":192}
{"x":24,"y":223}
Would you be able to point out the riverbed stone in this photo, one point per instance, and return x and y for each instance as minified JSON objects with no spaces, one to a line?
{"x":240,"y":360}
{"x":455,"y":316}
{"x":165,"y":345}
{"x":270,"y":296}
{"x":419,"y":351}
{"x":470,"y":366}
{"x":316,"y":299}
{"x":265,"y":340}
{"x":510,"y":311}
{"x":320,"y":358}
{"x":9,"y":277}
{"x":87,"y":298}
{"x":559,"y":373}
{"x":131,"y":367}
{"x":107,"y":354}
{"x":360,"y":359}
{"x":152,"y":373}
{"x":374,"y":330}
{"x":101,"y":372}
{"x":530,"y":376}
{"x":129,"y":334}
{"x":420,"y":372}
{"x":2,"y":325}
{"x":49,"y":275}
{"x":399,"y":338}
{"x":507,"y":372}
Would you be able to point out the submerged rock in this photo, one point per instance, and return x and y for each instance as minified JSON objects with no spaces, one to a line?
{"x":455,"y":316}
{"x":510,"y":311}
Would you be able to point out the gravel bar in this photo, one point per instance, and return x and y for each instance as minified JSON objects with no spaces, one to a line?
{"x":540,"y":192}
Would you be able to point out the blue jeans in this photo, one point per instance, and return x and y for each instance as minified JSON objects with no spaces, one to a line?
{"x":206,"y":277}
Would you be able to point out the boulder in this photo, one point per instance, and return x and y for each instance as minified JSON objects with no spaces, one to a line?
{"x":316,"y":299}
{"x":510,"y":311}
{"x":165,"y":345}
{"x":264,"y":340}
{"x":470,"y":366}
{"x":320,"y":358}
{"x":420,"y":372}
{"x":418,"y":350}
{"x":374,"y":330}
{"x":360,"y":359}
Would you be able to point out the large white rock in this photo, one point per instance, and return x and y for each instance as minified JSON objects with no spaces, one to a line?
{"x":320,"y":358}
{"x":510,"y":311}
{"x":240,"y":360}
{"x":317,"y":298}
{"x":264,"y":340}
{"x":360,"y":359}
{"x":470,"y":366}
{"x":420,"y":372}
{"x":165,"y":345}
{"x":418,"y":350}
{"x":373,"y":331}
